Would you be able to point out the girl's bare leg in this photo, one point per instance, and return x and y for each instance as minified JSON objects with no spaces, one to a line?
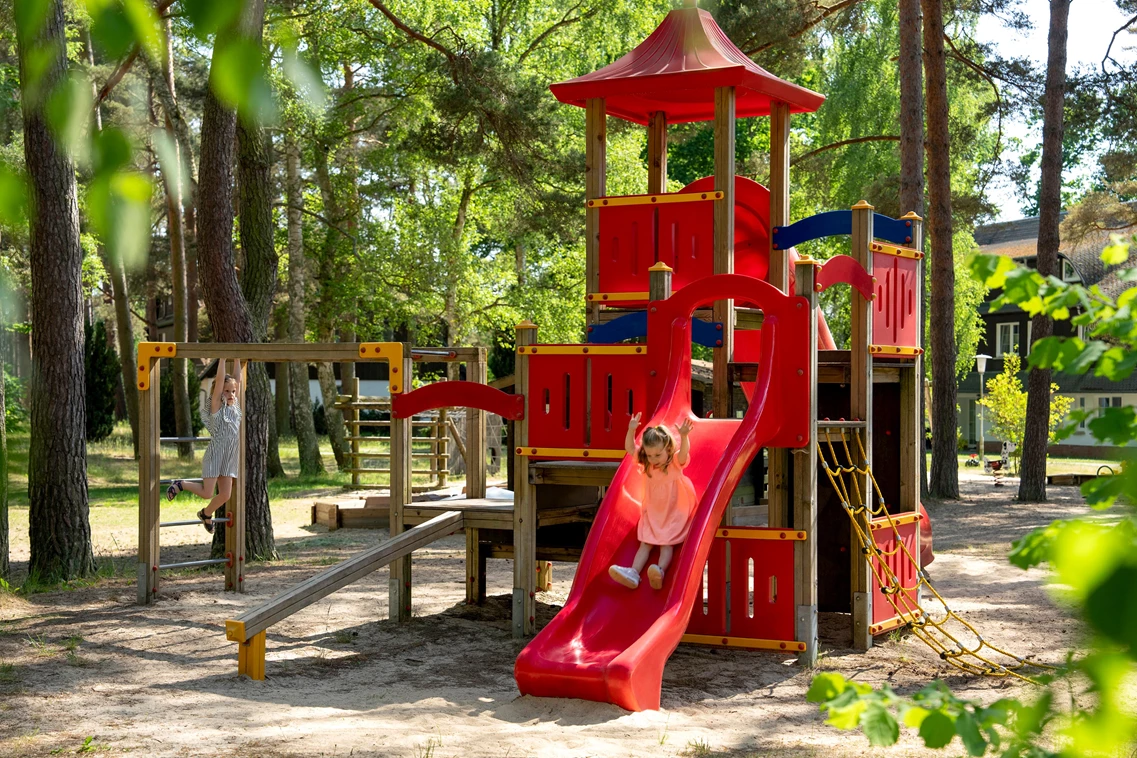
{"x":224,"y":489}
{"x":641,"y":557}
{"x":665,"y":553}
{"x":204,"y":489}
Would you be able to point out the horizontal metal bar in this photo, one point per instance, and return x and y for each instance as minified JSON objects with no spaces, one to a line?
{"x":195,"y":522}
{"x":183,"y":479}
{"x":192,"y":564}
{"x":842,"y":424}
{"x":183,"y":439}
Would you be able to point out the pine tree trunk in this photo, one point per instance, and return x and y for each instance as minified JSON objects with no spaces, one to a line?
{"x":326,"y":304}
{"x":1032,"y":462}
{"x":332,"y":415}
{"x":912,"y":168}
{"x":307,"y":442}
{"x":229,"y":313}
{"x":59,"y":516}
{"x":945,"y":463}
{"x":5,"y":567}
{"x":283,"y":394}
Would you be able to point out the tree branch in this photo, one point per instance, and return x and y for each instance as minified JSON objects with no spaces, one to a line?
{"x":565,"y":21}
{"x":450,"y":54}
{"x":955,"y":53}
{"x":124,"y":67}
{"x":845,"y":142}
{"x":1113,"y":39}
{"x":826,"y":12}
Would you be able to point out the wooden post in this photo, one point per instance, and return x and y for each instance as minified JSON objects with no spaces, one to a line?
{"x":860,"y":405}
{"x":805,"y":492}
{"x":356,"y":431}
{"x":400,"y":474}
{"x":475,"y":567}
{"x":657,"y":153}
{"x":149,"y":476}
{"x":778,"y":472}
{"x":524,"y":503}
{"x":911,"y":423}
{"x":235,"y":508}
{"x":724,"y":243}
{"x":476,"y":433}
{"x":595,"y":171}
{"x":659,"y":281}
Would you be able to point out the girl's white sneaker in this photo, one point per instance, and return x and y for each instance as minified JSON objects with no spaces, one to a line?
{"x":625,"y":576}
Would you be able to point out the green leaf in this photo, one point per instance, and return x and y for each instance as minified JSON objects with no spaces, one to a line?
{"x":991,"y":270}
{"x":847,"y":717}
{"x":968,"y":731}
{"x":937,"y":729}
{"x":824,"y":687}
{"x":1047,"y":352}
{"x":147,"y":30}
{"x":879,"y":726}
{"x":1034,"y":548}
{"x":1117,"y":364}
{"x":208,"y":16}
{"x":175,"y":171}
{"x":238,"y":78}
{"x":1021,"y":287}
{"x":13,"y":198}
{"x":1089,"y":355}
{"x":1085,"y":554}
{"x":111,"y":150}
{"x":1031,"y":718}
{"x":1117,"y":252}
{"x":68,"y":111}
{"x":1111,"y":607}
{"x":305,"y":80}
{"x":1101,"y":493}
{"x":111,"y":29}
{"x":30,"y":15}
{"x":119,"y":207}
{"x":915,"y":715}
{"x":1114,"y":425}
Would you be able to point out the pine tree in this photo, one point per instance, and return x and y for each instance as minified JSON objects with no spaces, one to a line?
{"x":101,"y":371}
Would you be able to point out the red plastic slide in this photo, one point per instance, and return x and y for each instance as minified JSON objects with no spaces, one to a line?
{"x":610,"y":643}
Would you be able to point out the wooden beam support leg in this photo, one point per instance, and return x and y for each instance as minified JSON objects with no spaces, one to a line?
{"x":149,"y":475}
{"x":251,"y":657}
{"x":475,"y":569}
{"x":476,"y":433}
{"x":524,"y":506}
{"x":860,"y":404}
{"x":401,"y":461}
{"x":779,"y":472}
{"x":805,"y":497}
{"x":595,"y":174}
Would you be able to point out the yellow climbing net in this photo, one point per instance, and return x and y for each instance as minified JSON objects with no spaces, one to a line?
{"x":940,"y":631}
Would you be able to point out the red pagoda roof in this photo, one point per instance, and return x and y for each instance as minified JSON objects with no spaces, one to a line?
{"x":676,"y":70}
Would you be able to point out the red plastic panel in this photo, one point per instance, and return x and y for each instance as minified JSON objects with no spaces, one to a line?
{"x":557,"y":411}
{"x":844,"y":269}
{"x":687,"y":240}
{"x":458,"y":394}
{"x":708,"y":614}
{"x":904,"y":569}
{"x":619,"y":390}
{"x":895,"y":317}
{"x":627,"y":246}
{"x":765,"y":568}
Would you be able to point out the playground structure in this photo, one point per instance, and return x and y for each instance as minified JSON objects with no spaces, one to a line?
{"x":712,"y":264}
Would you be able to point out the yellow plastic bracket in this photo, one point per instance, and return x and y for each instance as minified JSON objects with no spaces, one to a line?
{"x":782,"y":646}
{"x":899,"y":252}
{"x":621,"y":297}
{"x":583,"y":349}
{"x":672,"y":197}
{"x":570,"y":452}
{"x":741,"y":533}
{"x":149,"y":352}
{"x":392,"y":352}
{"x":235,"y":630}
{"x":890,"y":521}
{"x":895,"y":350}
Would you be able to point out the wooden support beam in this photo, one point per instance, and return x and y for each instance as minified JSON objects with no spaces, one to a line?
{"x":352,"y":415}
{"x":476,"y":433}
{"x":595,"y":185}
{"x":475,"y":568}
{"x":724,"y":242}
{"x":778,"y":472}
{"x":911,"y":420}
{"x":149,"y":488}
{"x":657,"y":153}
{"x":251,"y":657}
{"x":805,"y":497}
{"x":860,"y":407}
{"x":400,"y":581}
{"x":524,"y":504}
{"x":235,"y":529}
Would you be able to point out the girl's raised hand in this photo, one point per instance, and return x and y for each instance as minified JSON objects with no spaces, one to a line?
{"x":634,"y":422}
{"x":685,"y":427}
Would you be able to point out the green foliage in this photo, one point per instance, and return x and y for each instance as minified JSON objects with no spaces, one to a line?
{"x":168,"y":421}
{"x":1005,"y":401}
{"x":103,"y":376}
{"x":1093,"y":562}
{"x":15,"y":408}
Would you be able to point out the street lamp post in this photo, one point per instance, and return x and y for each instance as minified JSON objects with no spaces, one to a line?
{"x":981,"y":365}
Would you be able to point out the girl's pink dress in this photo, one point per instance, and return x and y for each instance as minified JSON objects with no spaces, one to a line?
{"x":667,"y":502}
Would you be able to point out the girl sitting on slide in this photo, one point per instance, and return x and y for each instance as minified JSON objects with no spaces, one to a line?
{"x":219,"y":467}
{"x":666,"y":496}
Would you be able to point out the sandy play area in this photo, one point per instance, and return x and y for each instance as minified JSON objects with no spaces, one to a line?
{"x":88,"y":670}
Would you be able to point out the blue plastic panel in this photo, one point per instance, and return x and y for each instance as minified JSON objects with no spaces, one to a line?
{"x":634,"y":325}
{"x":832,"y":223}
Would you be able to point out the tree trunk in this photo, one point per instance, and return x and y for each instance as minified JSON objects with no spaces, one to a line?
{"x":59,"y":516}
{"x":1032,"y":471}
{"x":332,"y":415}
{"x":125,"y":335}
{"x":945,"y":463}
{"x":330,"y":298}
{"x":307,"y":442}
{"x":5,"y":568}
{"x":912,"y":167}
{"x":229,"y":313}
{"x":283,"y":394}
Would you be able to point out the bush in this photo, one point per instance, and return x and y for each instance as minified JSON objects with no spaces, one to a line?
{"x":15,"y":411}
{"x":102,"y":370}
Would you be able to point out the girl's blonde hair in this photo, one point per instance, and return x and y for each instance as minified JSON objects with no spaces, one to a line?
{"x":656,"y":436}
{"x":228,"y":378}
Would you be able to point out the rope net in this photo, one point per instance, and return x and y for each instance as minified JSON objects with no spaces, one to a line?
{"x":943,"y":630}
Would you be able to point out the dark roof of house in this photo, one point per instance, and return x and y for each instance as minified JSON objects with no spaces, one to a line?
{"x":1068,"y":384}
{"x":1018,"y":239}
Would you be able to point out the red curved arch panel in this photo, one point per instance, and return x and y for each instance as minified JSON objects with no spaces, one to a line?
{"x":844,"y":269}
{"x":459,"y":394}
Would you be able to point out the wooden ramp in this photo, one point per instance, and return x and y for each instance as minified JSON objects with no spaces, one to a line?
{"x":248,"y":629}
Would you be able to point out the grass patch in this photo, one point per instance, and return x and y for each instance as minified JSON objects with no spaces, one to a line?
{"x":8,"y":673}
{"x":41,"y":646}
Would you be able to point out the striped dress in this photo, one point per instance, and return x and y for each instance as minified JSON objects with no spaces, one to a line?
{"x":223,"y":451}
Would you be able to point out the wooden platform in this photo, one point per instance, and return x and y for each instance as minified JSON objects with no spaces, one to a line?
{"x":496,"y":514}
{"x":370,"y":512}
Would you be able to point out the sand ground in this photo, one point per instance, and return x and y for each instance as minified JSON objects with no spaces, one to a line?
{"x":87,"y":669}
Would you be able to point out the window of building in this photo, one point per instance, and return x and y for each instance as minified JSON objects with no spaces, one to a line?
{"x":1082,"y":407}
{"x":1069,"y":273}
{"x":1006,"y":338}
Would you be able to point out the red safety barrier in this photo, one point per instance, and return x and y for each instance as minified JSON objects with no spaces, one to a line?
{"x":687,"y":241}
{"x":844,"y":269}
{"x":889,"y":541}
{"x":761,"y":573}
{"x":895,"y":316}
{"x":627,"y":241}
{"x":618,"y":391}
{"x":461,"y":395}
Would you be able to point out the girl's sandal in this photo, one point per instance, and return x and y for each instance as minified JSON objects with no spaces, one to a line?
{"x":173,"y":490}
{"x":206,"y":521}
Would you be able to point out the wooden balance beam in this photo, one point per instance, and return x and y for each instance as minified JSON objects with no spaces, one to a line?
{"x":248,"y":629}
